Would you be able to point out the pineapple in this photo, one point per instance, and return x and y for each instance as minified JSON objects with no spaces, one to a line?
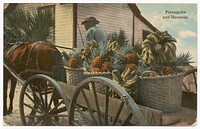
{"x":131,"y":58}
{"x":97,"y":62}
{"x":105,"y":67}
{"x":100,"y":56}
{"x":75,"y":59}
{"x":168,"y":70}
{"x":153,"y":74}
{"x":74,"y":62}
{"x":182,"y":59}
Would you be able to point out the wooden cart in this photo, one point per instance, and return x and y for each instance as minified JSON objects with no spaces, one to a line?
{"x":54,"y":102}
{"x":58,"y":103}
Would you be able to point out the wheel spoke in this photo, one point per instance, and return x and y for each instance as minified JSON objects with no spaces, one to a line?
{"x":38,"y":120}
{"x":32,"y":108}
{"x":184,"y":85}
{"x":58,"y":110}
{"x":106,"y":106}
{"x":53,"y":109}
{"x":46,"y":98}
{"x":127,"y":119}
{"x":118,"y":112}
{"x":35,"y":95}
{"x":32,"y":116}
{"x":51,"y":100}
{"x":36,"y":104}
{"x":82,"y":115}
{"x":54,"y":122}
{"x":97,"y":103}
{"x":88,"y":106}
{"x":195,"y":80}
{"x":41,"y":98}
{"x":61,"y":115}
{"x":75,"y":123}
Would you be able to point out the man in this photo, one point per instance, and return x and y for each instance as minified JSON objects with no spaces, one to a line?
{"x":93,"y":32}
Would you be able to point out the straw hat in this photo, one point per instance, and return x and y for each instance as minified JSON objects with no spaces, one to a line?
{"x":89,"y":19}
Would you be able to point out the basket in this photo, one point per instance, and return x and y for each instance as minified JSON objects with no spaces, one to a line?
{"x":99,"y":87}
{"x":74,"y":75}
{"x":163,"y":93}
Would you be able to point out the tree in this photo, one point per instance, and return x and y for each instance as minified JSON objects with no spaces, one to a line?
{"x":26,"y":26}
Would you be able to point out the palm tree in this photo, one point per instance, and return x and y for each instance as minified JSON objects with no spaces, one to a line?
{"x":26,"y":26}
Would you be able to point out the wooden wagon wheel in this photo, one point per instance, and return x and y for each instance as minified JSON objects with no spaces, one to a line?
{"x":188,"y":73}
{"x":87,"y":107}
{"x":43,"y":102}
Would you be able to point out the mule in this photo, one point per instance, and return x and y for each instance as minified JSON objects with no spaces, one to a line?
{"x":27,"y":59}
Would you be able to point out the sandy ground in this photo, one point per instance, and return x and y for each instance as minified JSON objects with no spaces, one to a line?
{"x":14,"y":118}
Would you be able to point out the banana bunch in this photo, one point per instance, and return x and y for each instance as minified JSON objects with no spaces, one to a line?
{"x":169,"y":45}
{"x":128,"y":80}
{"x":147,"y":48}
{"x":114,"y":46}
{"x":158,"y":47}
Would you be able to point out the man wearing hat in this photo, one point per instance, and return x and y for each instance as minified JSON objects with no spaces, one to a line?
{"x":93,"y":32}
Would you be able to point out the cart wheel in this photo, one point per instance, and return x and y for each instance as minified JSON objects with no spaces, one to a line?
{"x":192,"y":73}
{"x":87,"y":107}
{"x":43,"y":102}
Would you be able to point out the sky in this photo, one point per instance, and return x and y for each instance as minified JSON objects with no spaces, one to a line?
{"x":183,"y":29}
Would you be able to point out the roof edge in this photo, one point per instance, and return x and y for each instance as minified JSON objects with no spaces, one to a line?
{"x":137,"y":13}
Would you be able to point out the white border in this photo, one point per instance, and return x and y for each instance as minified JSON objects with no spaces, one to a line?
{"x":93,"y":1}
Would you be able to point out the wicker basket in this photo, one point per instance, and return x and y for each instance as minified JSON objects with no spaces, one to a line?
{"x":99,"y":87}
{"x":74,"y":76}
{"x":163,"y":93}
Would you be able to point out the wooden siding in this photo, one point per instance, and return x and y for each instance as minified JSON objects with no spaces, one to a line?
{"x":64,"y":25}
{"x":112,"y":17}
{"x":139,"y":26}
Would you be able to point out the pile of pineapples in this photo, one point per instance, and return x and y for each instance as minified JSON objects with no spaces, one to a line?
{"x":156,"y":54}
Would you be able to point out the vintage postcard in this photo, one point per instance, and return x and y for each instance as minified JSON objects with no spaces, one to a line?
{"x":100,"y":64}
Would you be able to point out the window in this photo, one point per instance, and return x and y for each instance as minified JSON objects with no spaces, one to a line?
{"x":145,"y":33}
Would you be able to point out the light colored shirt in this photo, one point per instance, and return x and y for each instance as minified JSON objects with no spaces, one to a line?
{"x":96,"y":34}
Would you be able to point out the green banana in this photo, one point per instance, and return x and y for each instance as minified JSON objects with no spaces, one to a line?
{"x":171,"y":45}
{"x":166,"y":38}
{"x":164,"y":57}
{"x":132,"y":74}
{"x":151,"y":54}
{"x":117,"y":77}
{"x":147,"y":41}
{"x":145,"y":49}
{"x":149,"y":60}
{"x":146,"y":45}
{"x":123,"y":73}
{"x":117,"y":47}
{"x":152,"y":38}
{"x":127,"y":73}
{"x":172,"y":40}
{"x":167,"y":49}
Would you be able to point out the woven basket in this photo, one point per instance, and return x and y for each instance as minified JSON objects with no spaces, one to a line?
{"x":99,"y":87}
{"x":74,"y":76}
{"x":163,"y":93}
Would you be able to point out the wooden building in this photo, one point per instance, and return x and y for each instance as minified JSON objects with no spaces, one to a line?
{"x":112,"y":16}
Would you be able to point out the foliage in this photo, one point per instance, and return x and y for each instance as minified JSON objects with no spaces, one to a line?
{"x":26,"y":26}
